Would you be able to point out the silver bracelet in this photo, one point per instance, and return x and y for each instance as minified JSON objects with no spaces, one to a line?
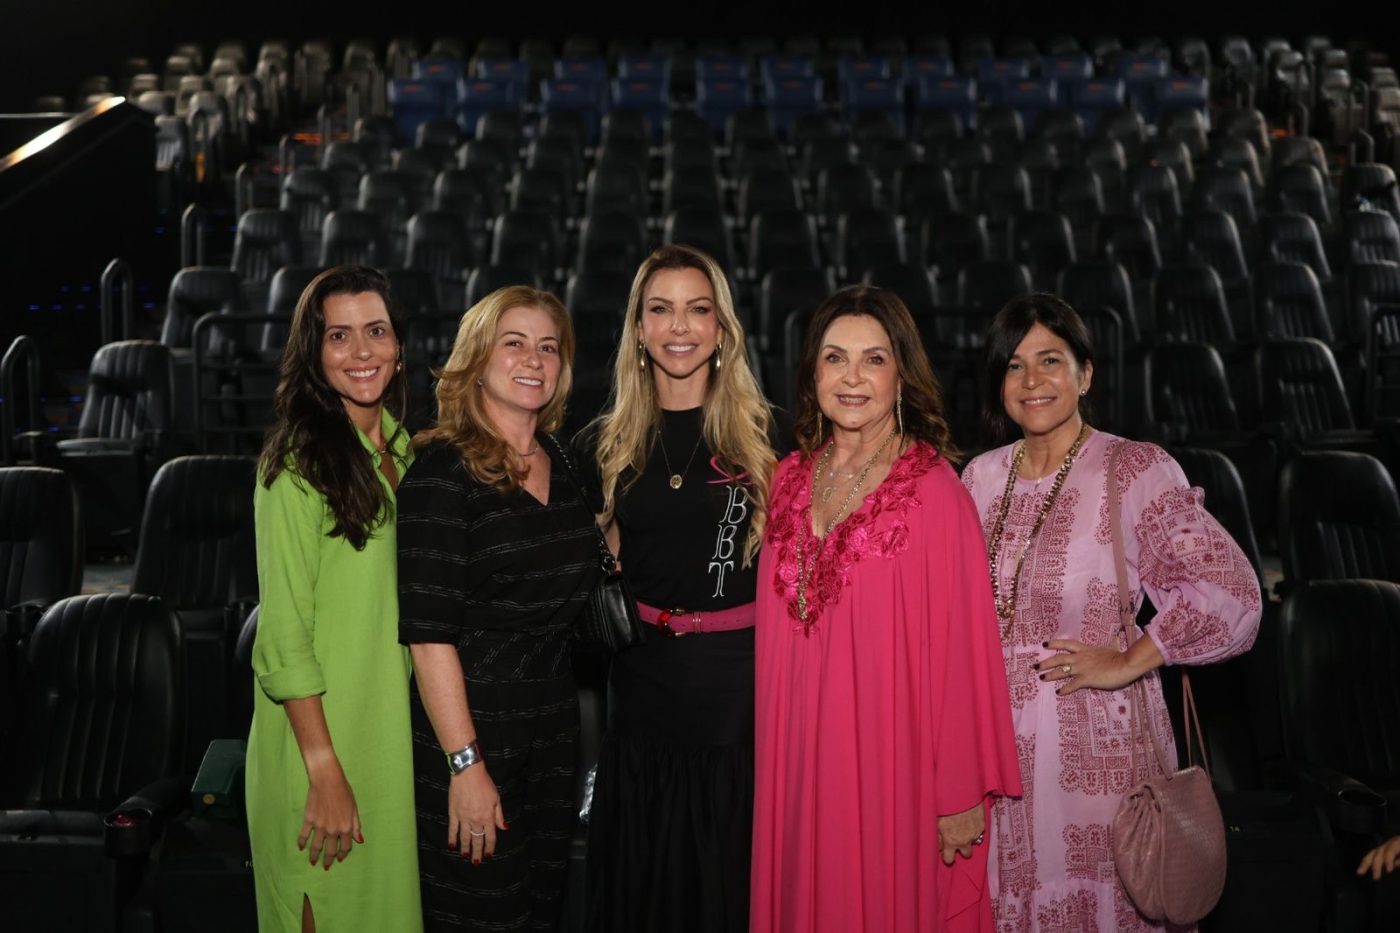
{"x":459,"y":761}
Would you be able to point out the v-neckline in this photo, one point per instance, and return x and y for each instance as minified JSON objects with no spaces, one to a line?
{"x":549,"y":486}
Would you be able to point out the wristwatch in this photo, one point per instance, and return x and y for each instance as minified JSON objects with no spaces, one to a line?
{"x":459,"y":761}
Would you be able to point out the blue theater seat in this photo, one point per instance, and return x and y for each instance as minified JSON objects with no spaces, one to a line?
{"x":994,"y":74}
{"x":776,"y":67}
{"x":479,"y":96}
{"x":1069,"y":71}
{"x":1094,"y":98}
{"x":876,"y":96}
{"x":414,"y":102}
{"x":1140,"y":74}
{"x":716,"y":99}
{"x":726,"y":67}
{"x":1030,"y":97}
{"x":649,"y":96}
{"x":575,"y":96}
{"x":653,"y":67}
{"x":515,"y":71}
{"x":958,"y":95}
{"x":789,"y":98}
{"x":1183,"y":92}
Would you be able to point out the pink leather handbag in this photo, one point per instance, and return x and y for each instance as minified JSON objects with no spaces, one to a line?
{"x":1168,"y":834}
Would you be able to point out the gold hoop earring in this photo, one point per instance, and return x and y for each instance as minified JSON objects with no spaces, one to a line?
{"x":719,"y":355}
{"x":899,"y":409}
{"x":641,"y":355}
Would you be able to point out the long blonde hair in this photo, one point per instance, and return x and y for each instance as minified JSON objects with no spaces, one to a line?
{"x":738,"y":423}
{"x":462,"y":419}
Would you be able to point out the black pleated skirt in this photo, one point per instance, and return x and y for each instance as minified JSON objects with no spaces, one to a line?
{"x":672,"y":817}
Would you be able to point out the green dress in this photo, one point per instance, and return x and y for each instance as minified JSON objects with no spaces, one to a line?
{"x":328,"y":625}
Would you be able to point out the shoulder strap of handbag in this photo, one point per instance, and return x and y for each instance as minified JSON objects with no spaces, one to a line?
{"x":605,"y":553}
{"x":1127,"y":616}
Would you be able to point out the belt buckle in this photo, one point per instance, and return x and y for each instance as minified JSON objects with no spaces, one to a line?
{"x":663,"y":622}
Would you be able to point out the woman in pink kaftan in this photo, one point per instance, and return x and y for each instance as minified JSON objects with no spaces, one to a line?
{"x":1055,"y":585}
{"x":882,"y":725}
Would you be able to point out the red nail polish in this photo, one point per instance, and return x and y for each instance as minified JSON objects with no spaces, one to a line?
{"x":476,"y":861}
{"x":1042,"y":676}
{"x":452,"y":846}
{"x":360,"y":838}
{"x":505,"y":826}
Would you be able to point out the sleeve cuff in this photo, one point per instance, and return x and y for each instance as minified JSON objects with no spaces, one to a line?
{"x":293,"y":683}
{"x":1151,"y":633}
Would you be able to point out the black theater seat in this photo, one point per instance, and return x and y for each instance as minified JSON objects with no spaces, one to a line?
{"x":102,"y":723}
{"x":197,"y":556}
{"x":123,"y":436}
{"x":1339,"y":648}
{"x":41,"y":562}
{"x":1339,"y":518}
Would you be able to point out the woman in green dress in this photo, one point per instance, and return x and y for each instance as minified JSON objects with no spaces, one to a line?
{"x":330,"y":765}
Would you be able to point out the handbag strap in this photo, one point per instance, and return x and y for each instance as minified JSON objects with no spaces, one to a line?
{"x":605,"y":555}
{"x":1126,"y":616}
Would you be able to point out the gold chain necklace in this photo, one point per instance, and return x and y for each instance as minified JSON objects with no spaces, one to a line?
{"x":805,"y":568}
{"x":1006,"y":609}
{"x":678,"y":478}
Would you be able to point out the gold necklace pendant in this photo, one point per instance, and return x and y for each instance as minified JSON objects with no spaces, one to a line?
{"x":827,"y":493}
{"x":676,"y":481}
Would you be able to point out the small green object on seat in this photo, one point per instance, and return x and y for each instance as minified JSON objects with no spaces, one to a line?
{"x":217,"y":793}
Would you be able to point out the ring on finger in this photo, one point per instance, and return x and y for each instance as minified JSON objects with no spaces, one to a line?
{"x":477,"y":834}
{"x":1065,"y":669}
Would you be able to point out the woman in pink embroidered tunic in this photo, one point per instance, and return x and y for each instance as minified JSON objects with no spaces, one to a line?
{"x":1056,"y":592}
{"x":882,"y":728}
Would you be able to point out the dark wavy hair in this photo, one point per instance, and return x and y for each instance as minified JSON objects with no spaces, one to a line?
{"x":924,"y":417}
{"x":1005,"y":334}
{"x":313,"y":435}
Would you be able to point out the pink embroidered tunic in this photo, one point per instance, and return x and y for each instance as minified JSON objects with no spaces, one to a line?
{"x":1052,"y":861}
{"x":889,"y":712}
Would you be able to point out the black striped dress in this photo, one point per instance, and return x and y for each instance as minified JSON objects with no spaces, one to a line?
{"x":503,"y":578}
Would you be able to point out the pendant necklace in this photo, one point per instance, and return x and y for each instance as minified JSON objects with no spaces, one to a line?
{"x":678,"y":478}
{"x":808,"y":566}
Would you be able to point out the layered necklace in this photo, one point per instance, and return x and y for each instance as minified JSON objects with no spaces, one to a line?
{"x":1006,"y":608}
{"x":806,"y":566}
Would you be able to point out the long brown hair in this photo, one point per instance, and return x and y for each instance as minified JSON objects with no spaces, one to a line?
{"x":924,"y":418}
{"x":738,"y":423}
{"x":313,"y":434}
{"x":462,"y":419}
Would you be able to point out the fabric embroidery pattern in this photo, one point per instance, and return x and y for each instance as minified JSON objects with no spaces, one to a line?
{"x":862,"y":534}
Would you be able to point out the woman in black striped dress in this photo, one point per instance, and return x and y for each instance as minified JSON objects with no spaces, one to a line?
{"x":497,"y":555}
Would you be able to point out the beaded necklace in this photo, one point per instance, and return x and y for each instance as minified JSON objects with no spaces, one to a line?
{"x":1006,"y":609}
{"x":805,"y":568}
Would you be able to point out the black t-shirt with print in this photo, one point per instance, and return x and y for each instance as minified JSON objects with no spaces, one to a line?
{"x":683,"y":548}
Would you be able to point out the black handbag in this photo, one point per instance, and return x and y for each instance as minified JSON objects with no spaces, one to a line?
{"x":610,"y":621}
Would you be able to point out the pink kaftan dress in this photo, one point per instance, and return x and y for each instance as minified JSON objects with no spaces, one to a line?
{"x":1051,"y":857}
{"x":889,"y":712}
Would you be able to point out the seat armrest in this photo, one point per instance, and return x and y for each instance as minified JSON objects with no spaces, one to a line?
{"x":21,"y":618}
{"x":1349,"y":805}
{"x":135,"y":826}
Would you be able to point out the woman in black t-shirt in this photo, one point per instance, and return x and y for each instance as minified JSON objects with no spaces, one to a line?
{"x":681,"y":460}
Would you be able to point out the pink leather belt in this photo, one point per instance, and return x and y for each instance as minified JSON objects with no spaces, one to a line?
{"x":677,"y":622}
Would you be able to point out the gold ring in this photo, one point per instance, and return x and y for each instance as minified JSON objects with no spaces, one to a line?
{"x":1064,"y":668}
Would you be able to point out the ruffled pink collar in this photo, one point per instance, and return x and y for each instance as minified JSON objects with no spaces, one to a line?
{"x":861,"y":534}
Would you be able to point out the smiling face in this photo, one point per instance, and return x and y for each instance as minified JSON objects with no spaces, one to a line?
{"x":679,"y":326}
{"x":1043,"y":383}
{"x":523,"y":371}
{"x":359,"y":354}
{"x":857,"y":377}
